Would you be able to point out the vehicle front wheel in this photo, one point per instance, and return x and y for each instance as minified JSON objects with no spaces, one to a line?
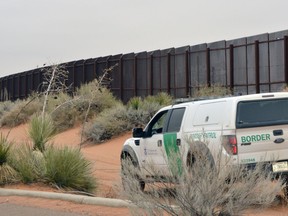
{"x":130,"y":174}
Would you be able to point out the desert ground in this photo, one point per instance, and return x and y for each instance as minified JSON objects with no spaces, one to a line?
{"x":106,"y":161}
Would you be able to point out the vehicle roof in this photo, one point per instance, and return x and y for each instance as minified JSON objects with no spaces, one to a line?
{"x":261,"y":96}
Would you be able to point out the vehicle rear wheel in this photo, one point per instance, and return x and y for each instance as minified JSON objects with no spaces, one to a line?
{"x":199,"y":157}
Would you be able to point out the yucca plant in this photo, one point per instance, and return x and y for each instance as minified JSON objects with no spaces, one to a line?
{"x":7,"y":173}
{"x":134,"y":103}
{"x":5,"y":146}
{"x":41,"y":130}
{"x":29,"y":163}
{"x":162,"y":98}
{"x":67,"y":168}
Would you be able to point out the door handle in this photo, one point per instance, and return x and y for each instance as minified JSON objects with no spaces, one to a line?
{"x":178,"y":142}
{"x":159,"y":143}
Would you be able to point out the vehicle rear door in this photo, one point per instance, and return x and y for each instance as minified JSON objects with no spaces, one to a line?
{"x":262,"y":130}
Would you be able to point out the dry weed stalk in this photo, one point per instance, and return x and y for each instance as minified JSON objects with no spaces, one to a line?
{"x":201,"y":189}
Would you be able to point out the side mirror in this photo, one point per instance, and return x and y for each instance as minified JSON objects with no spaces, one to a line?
{"x":137,"y":132}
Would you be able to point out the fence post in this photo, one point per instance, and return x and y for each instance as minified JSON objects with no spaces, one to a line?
{"x":257,"y":69}
{"x":121,"y":76}
{"x":231,"y":62}
{"x":187,"y":73}
{"x":208,"y":74}
{"x":286,"y":58}
{"x":83,"y":73}
{"x":135,"y":74}
{"x":95,"y":69}
{"x":151,"y":74}
{"x":169,"y":72}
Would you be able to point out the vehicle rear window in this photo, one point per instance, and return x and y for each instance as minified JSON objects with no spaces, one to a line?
{"x":262,"y":113}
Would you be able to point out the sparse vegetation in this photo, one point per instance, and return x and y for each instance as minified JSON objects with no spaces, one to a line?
{"x":208,"y":193}
{"x":200,"y":189}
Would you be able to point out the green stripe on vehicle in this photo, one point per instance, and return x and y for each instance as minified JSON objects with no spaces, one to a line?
{"x":173,"y":153}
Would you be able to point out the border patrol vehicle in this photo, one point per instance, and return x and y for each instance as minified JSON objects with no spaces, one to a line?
{"x":246,"y":129}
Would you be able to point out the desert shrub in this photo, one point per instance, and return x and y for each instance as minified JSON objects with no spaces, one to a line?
{"x":6,"y":106}
{"x":65,"y":116}
{"x":67,"y":168}
{"x":140,"y":111}
{"x":107,"y":124}
{"x":41,"y":130}
{"x":162,"y":98}
{"x":21,"y":112}
{"x":140,"y":117}
{"x":61,"y":107}
{"x":120,"y":118}
{"x":94,"y":98}
{"x":56,"y":100}
{"x":7,"y":173}
{"x":29,"y":163}
{"x":200,"y":188}
{"x":215,"y":90}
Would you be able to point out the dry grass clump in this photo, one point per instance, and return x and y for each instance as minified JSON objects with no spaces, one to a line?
{"x":199,"y":189}
{"x":215,"y":90}
{"x":20,"y":112}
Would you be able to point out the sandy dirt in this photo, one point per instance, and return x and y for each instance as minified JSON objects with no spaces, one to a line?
{"x":106,"y":161}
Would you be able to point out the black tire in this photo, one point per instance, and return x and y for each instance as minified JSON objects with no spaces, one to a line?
{"x":199,"y":153}
{"x":128,"y":159}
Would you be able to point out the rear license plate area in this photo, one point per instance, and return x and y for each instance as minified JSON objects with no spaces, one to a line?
{"x":280,"y":166}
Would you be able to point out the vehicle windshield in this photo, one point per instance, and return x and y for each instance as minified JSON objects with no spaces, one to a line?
{"x":262,"y":113}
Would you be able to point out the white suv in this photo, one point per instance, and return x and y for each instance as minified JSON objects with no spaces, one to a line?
{"x":246,"y":129}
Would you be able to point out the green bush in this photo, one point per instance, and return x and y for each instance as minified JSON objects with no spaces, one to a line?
{"x":29,"y":163}
{"x":41,"y":130}
{"x":67,"y":168}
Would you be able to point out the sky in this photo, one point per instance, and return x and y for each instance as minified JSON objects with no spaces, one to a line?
{"x":38,"y":32}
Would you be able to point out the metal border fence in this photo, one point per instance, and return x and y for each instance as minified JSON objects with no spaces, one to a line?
{"x":247,"y":65}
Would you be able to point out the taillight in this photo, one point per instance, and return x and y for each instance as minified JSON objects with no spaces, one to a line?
{"x":229,"y":142}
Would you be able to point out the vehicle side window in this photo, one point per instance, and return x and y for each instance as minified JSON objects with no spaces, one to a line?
{"x":157,"y":124}
{"x":175,"y":120}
